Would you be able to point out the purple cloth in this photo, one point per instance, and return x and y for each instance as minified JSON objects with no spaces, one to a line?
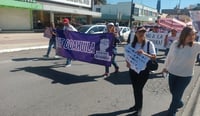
{"x":91,"y":48}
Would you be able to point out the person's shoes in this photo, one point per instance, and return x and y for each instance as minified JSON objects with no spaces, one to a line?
{"x":45,"y":56}
{"x":68,"y":65}
{"x":116,"y":70}
{"x":132,"y":109}
{"x":56,"y":56}
{"x":180,"y":105}
{"x":135,"y":113}
{"x":106,"y":75}
{"x":171,"y":114}
{"x":152,"y":72}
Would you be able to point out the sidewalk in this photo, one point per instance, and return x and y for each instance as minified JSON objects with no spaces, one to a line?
{"x":193,"y":105}
{"x":10,"y":42}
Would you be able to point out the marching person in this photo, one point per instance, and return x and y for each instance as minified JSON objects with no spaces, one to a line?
{"x":50,"y":32}
{"x":169,"y":40}
{"x":179,"y":64}
{"x":111,"y":29}
{"x":138,"y":81}
{"x":69,"y":27}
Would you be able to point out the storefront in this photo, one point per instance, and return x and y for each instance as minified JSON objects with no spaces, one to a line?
{"x":79,"y":12}
{"x":17,"y":15}
{"x":36,"y":14}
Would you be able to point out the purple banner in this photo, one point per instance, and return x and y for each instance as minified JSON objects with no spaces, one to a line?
{"x":91,"y":48}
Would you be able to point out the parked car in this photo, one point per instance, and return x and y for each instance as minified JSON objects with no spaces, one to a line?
{"x":124,"y":32}
{"x":92,"y":29}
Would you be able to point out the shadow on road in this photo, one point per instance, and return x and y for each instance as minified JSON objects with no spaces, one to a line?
{"x":66,"y":78}
{"x":116,"y":113}
{"x":35,"y":59}
{"x":57,"y":76}
{"x":119,"y":78}
{"x":163,"y":113}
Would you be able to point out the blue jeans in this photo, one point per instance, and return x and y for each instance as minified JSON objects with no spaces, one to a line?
{"x":68,"y":61}
{"x":177,"y":86}
{"x":113,"y":61}
{"x":166,"y":51}
{"x":52,"y":43}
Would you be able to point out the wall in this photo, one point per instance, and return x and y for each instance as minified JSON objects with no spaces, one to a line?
{"x":15,"y":19}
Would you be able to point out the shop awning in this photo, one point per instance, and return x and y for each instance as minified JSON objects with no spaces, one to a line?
{"x":21,"y":4}
{"x":71,"y":10}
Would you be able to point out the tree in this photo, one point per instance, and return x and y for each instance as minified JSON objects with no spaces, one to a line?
{"x":99,"y":2}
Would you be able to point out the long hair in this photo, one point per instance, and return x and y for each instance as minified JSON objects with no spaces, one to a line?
{"x":184,"y":34}
{"x":135,"y":40}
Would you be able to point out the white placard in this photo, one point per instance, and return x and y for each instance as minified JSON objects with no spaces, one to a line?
{"x":137,"y":61}
{"x":158,"y":39}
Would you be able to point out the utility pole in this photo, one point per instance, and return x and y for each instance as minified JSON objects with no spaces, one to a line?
{"x":179,"y":4}
{"x":132,"y":12}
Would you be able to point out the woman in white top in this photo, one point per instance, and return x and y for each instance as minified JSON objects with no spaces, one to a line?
{"x":179,"y":64}
{"x":139,"y":80}
{"x":170,"y":39}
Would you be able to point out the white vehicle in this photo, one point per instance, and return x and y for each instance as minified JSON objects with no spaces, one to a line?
{"x":92,"y":29}
{"x":124,"y":32}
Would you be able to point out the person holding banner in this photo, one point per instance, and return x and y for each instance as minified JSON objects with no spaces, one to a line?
{"x":138,"y":80}
{"x":67,"y":26}
{"x":50,"y":33}
{"x":111,"y":29}
{"x":179,"y":64}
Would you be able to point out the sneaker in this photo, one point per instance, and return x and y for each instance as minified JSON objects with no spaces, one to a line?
{"x":180,"y":104}
{"x":68,"y":65}
{"x":46,"y":56}
{"x":106,"y":75}
{"x":56,"y":56}
{"x":152,"y":72}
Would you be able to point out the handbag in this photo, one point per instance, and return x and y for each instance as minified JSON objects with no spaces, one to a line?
{"x":152,"y":65}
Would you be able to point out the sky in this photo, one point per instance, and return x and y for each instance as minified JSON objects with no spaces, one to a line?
{"x":165,"y":4}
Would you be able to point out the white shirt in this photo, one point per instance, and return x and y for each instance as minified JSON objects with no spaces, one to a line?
{"x":69,"y":28}
{"x":170,"y":41}
{"x":151,"y":47}
{"x":180,"y":61}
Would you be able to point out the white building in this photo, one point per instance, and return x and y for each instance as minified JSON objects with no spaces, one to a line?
{"x":121,"y":12}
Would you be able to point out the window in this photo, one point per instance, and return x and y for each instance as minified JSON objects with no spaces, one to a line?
{"x":136,"y":11}
{"x":101,"y":28}
{"x":94,"y":29}
{"x":98,"y":9}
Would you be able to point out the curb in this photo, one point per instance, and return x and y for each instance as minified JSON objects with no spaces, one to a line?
{"x":20,"y":49}
{"x":197,"y":111}
{"x":193,"y":104}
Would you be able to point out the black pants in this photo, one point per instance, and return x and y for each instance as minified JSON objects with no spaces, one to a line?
{"x":138,"y":82}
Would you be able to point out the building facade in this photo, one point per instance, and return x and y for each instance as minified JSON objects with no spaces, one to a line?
{"x":125,"y":12}
{"x":17,"y":15}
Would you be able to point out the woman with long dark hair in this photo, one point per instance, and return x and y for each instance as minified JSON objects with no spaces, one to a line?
{"x":139,"y":80}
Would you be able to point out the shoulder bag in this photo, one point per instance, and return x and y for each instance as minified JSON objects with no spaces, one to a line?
{"x":152,"y":65}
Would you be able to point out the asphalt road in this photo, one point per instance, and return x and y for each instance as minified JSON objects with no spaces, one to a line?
{"x":34,"y":86}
